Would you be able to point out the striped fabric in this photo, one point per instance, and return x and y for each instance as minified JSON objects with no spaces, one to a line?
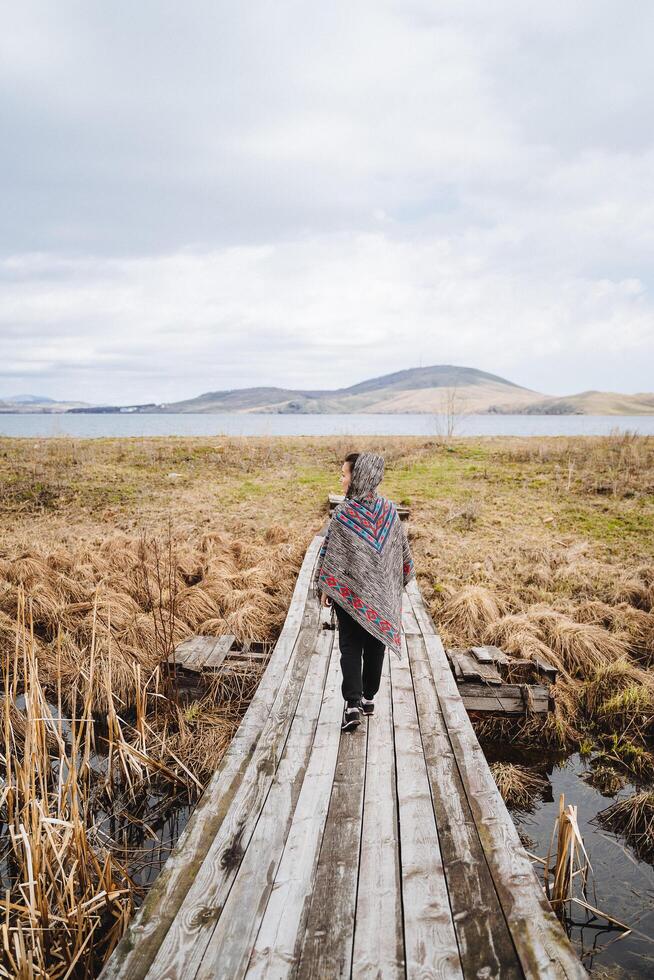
{"x":365,"y":560}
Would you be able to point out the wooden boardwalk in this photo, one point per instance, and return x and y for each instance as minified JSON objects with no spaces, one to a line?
{"x":385,"y":853}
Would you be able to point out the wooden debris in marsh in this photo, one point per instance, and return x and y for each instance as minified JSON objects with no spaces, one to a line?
{"x":571,"y":859}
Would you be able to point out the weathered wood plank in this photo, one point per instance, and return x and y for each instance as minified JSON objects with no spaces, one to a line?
{"x":328,"y":936}
{"x":473,"y":670}
{"x":485,"y":944}
{"x":507,"y":699}
{"x":277,"y":945}
{"x":488,"y":653}
{"x":546,"y":669}
{"x":378,"y":952}
{"x":246,"y":656}
{"x":219,"y":652}
{"x":230,"y":945}
{"x":409,"y":622}
{"x":134,"y":953}
{"x":191,"y":651}
{"x":430,"y":941}
{"x":538,"y":936}
{"x":495,"y":654}
{"x":482,"y":654}
{"x":182,"y":949}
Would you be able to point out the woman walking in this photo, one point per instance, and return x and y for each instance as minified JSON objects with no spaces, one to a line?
{"x":363,"y":565}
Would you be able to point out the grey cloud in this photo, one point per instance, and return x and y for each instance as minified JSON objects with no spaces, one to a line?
{"x":201,"y":182}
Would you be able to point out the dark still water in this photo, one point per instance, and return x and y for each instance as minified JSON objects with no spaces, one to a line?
{"x":621,"y":883}
{"x":237,"y":424}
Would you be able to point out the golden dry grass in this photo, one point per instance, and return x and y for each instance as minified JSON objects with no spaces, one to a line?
{"x":518,"y":785}
{"x":542,"y":546}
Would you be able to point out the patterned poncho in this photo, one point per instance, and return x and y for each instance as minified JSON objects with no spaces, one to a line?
{"x":365,"y":560}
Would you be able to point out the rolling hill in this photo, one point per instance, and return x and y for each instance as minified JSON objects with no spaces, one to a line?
{"x":422,"y":390}
{"x":416,"y":390}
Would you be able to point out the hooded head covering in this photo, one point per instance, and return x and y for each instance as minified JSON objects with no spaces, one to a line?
{"x":367,"y":474}
{"x":365,"y":560}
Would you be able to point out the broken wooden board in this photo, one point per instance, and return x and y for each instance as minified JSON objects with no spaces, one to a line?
{"x":508,"y":699}
{"x":490,"y":680}
{"x":198,"y":653}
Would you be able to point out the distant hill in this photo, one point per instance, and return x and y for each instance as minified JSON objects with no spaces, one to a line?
{"x":30,"y":400}
{"x":35,"y":405}
{"x":594,"y":403}
{"x":423,"y":390}
{"x":413,"y":390}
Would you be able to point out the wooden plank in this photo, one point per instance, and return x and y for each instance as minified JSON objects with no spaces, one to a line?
{"x":219,"y":652}
{"x":430,"y":941}
{"x":378,"y":952}
{"x":485,"y":944}
{"x":192,"y":650}
{"x":546,"y":669}
{"x":329,"y":933}
{"x":182,"y":949}
{"x":135,"y":951}
{"x":197,"y":658}
{"x":495,"y":654}
{"x":238,"y":655}
{"x":182,"y":649}
{"x":473,"y":670}
{"x":278,"y":941}
{"x":454,"y":665}
{"x":507,"y":699}
{"x":482,"y":654}
{"x":409,"y":622}
{"x":230,"y":945}
{"x":543,"y":666}
{"x":538,"y":936}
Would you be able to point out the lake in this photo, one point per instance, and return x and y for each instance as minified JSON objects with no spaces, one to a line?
{"x":260,"y":424}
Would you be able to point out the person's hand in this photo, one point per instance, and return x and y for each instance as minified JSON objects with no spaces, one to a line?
{"x":325,"y":600}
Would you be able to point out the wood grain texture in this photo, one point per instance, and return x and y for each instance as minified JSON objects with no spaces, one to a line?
{"x":134,"y":953}
{"x":378,"y":952}
{"x":431,"y":948}
{"x":485,"y":944}
{"x":507,"y":699}
{"x":186,"y":941}
{"x":277,"y":946}
{"x":217,"y":656}
{"x":382,"y":854}
{"x":540,"y":941}
{"x":230,"y":945}
{"x":328,"y":936}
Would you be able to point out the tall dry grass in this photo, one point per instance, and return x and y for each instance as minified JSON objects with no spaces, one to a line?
{"x":92,"y":724}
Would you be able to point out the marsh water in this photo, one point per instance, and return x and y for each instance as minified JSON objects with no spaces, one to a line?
{"x":621,"y":883}
{"x":115,"y":425}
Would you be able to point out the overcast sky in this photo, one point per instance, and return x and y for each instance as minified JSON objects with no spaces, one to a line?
{"x":206,"y":195}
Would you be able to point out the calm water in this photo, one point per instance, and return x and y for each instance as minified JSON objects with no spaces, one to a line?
{"x":621,"y":883}
{"x":236,"y":424}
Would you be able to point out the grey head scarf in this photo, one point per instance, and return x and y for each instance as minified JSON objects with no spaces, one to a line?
{"x":367,"y":474}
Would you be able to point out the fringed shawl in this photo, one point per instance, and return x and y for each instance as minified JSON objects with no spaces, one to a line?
{"x":365,"y":560}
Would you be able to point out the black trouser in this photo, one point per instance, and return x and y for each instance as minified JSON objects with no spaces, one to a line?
{"x":354,"y":641}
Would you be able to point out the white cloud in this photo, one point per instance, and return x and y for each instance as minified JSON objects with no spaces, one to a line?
{"x":223,"y":195}
{"x":326,"y":311}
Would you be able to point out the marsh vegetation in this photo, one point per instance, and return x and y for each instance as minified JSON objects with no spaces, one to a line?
{"x":113,"y":551}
